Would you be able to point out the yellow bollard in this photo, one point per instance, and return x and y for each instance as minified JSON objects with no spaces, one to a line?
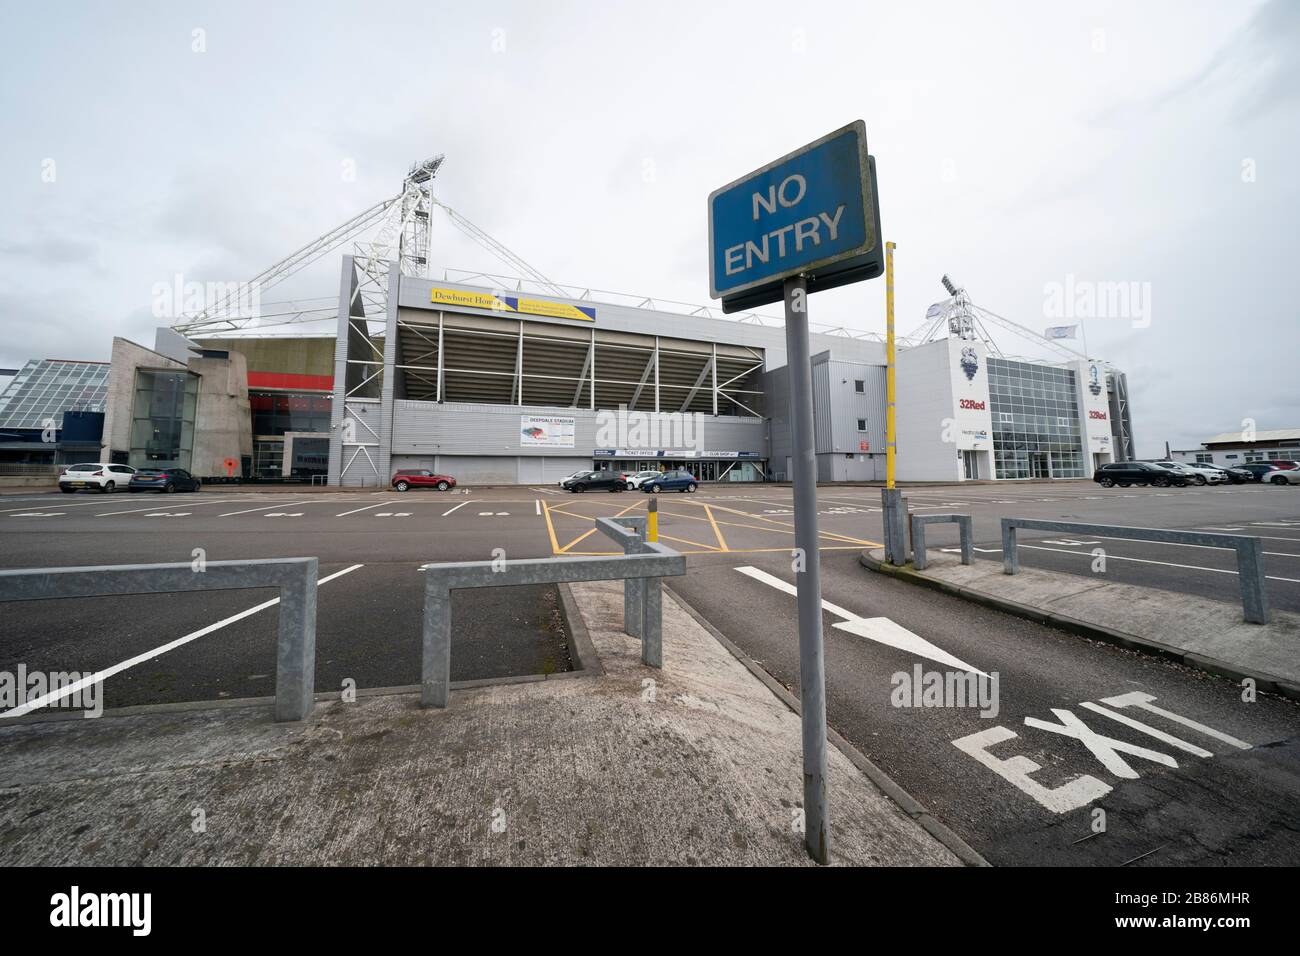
{"x":652,"y":521}
{"x":891,"y":428}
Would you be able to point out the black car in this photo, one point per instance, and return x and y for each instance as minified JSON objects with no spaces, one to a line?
{"x":595,"y":481}
{"x":1125,"y":473}
{"x":1258,"y":469}
{"x":165,"y":480}
{"x":1236,"y":474}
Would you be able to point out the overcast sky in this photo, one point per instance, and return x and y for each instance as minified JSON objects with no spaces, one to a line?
{"x":1017,"y":144}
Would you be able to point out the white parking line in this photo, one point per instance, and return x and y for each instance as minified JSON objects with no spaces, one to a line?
{"x":156,"y":652}
{"x":454,"y":507}
{"x":84,"y":504}
{"x":537,"y":505}
{"x":263,"y":508}
{"x":377,"y":504}
{"x":154,"y":508}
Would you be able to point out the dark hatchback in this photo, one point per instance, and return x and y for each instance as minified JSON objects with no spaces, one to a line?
{"x":165,"y":480}
{"x":595,"y":481}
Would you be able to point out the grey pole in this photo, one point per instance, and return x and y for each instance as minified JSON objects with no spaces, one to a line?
{"x":812,"y":671}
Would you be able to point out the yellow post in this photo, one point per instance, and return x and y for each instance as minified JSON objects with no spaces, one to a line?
{"x":891,"y":426}
{"x":652,"y":521}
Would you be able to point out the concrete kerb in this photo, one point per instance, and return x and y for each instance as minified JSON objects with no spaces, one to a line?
{"x":883,"y":782}
{"x":1106,"y":635}
{"x":579,"y":640}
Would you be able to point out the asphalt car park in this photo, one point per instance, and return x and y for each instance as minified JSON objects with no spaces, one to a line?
{"x":1232,"y":797}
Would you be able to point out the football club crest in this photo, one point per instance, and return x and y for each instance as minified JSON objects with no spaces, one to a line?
{"x":970,"y":363}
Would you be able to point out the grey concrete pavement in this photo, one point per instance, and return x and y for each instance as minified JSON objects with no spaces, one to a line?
{"x":695,"y":764}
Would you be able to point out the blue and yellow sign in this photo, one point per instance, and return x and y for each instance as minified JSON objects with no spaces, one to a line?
{"x":813,"y":212}
{"x":510,"y":303}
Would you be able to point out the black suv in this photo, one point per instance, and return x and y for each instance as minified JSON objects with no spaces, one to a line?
{"x":595,"y":481}
{"x":1125,"y":473}
{"x":1258,"y":469}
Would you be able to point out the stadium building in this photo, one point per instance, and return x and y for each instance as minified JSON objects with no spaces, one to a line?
{"x":511,"y":387}
{"x":522,"y":381}
{"x":507,"y":387}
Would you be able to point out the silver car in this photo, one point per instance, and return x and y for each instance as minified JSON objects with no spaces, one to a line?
{"x":1281,"y":476}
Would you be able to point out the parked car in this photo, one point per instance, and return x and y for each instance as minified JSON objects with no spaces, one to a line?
{"x":1282,"y":476}
{"x":1189,"y":477}
{"x":1235,"y":475}
{"x":670,"y":481}
{"x":409,"y":478}
{"x":1283,"y":464}
{"x":1212,"y":475}
{"x":1258,"y":468}
{"x":595,"y":481}
{"x":102,"y":476}
{"x":1125,"y":473}
{"x":634,"y":481}
{"x":164,"y":480}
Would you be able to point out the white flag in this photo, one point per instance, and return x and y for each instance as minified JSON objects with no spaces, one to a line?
{"x":937,"y":309}
{"x":1061,"y":332}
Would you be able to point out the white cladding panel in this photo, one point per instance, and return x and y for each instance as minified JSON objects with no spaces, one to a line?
{"x":972,"y":420}
{"x":1094,"y":406}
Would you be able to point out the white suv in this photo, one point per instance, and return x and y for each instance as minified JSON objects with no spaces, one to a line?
{"x":105,"y":477}
{"x":634,"y":481}
{"x":1212,"y":475}
{"x":1184,"y":471}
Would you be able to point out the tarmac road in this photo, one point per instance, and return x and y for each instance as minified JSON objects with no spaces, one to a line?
{"x":1225,"y":788}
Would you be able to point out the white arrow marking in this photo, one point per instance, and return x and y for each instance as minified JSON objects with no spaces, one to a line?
{"x":879,"y":629}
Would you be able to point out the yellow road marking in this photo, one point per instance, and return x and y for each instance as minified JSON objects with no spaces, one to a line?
{"x":588,"y":533}
{"x":698,"y":544}
{"x":550,"y":528}
{"x":581,"y":537}
{"x":783,"y":530}
{"x":713,"y":521}
{"x":825,"y":547}
{"x":722,"y":542}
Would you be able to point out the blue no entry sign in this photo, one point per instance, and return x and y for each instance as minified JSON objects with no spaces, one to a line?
{"x":813,"y":211}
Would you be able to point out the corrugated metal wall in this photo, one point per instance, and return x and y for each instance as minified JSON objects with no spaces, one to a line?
{"x":462,"y":429}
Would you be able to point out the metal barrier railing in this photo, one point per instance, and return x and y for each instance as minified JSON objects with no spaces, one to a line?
{"x":633,"y":590}
{"x":1250,"y":560}
{"x":919,"y":522}
{"x":893,"y":508}
{"x":655,"y":562}
{"x":295,"y":656}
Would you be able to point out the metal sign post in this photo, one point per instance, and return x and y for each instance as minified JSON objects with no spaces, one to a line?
{"x":806,"y":222}
{"x":807,"y":567}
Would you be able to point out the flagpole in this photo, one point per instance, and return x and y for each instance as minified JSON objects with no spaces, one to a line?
{"x":1084,"y":332}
